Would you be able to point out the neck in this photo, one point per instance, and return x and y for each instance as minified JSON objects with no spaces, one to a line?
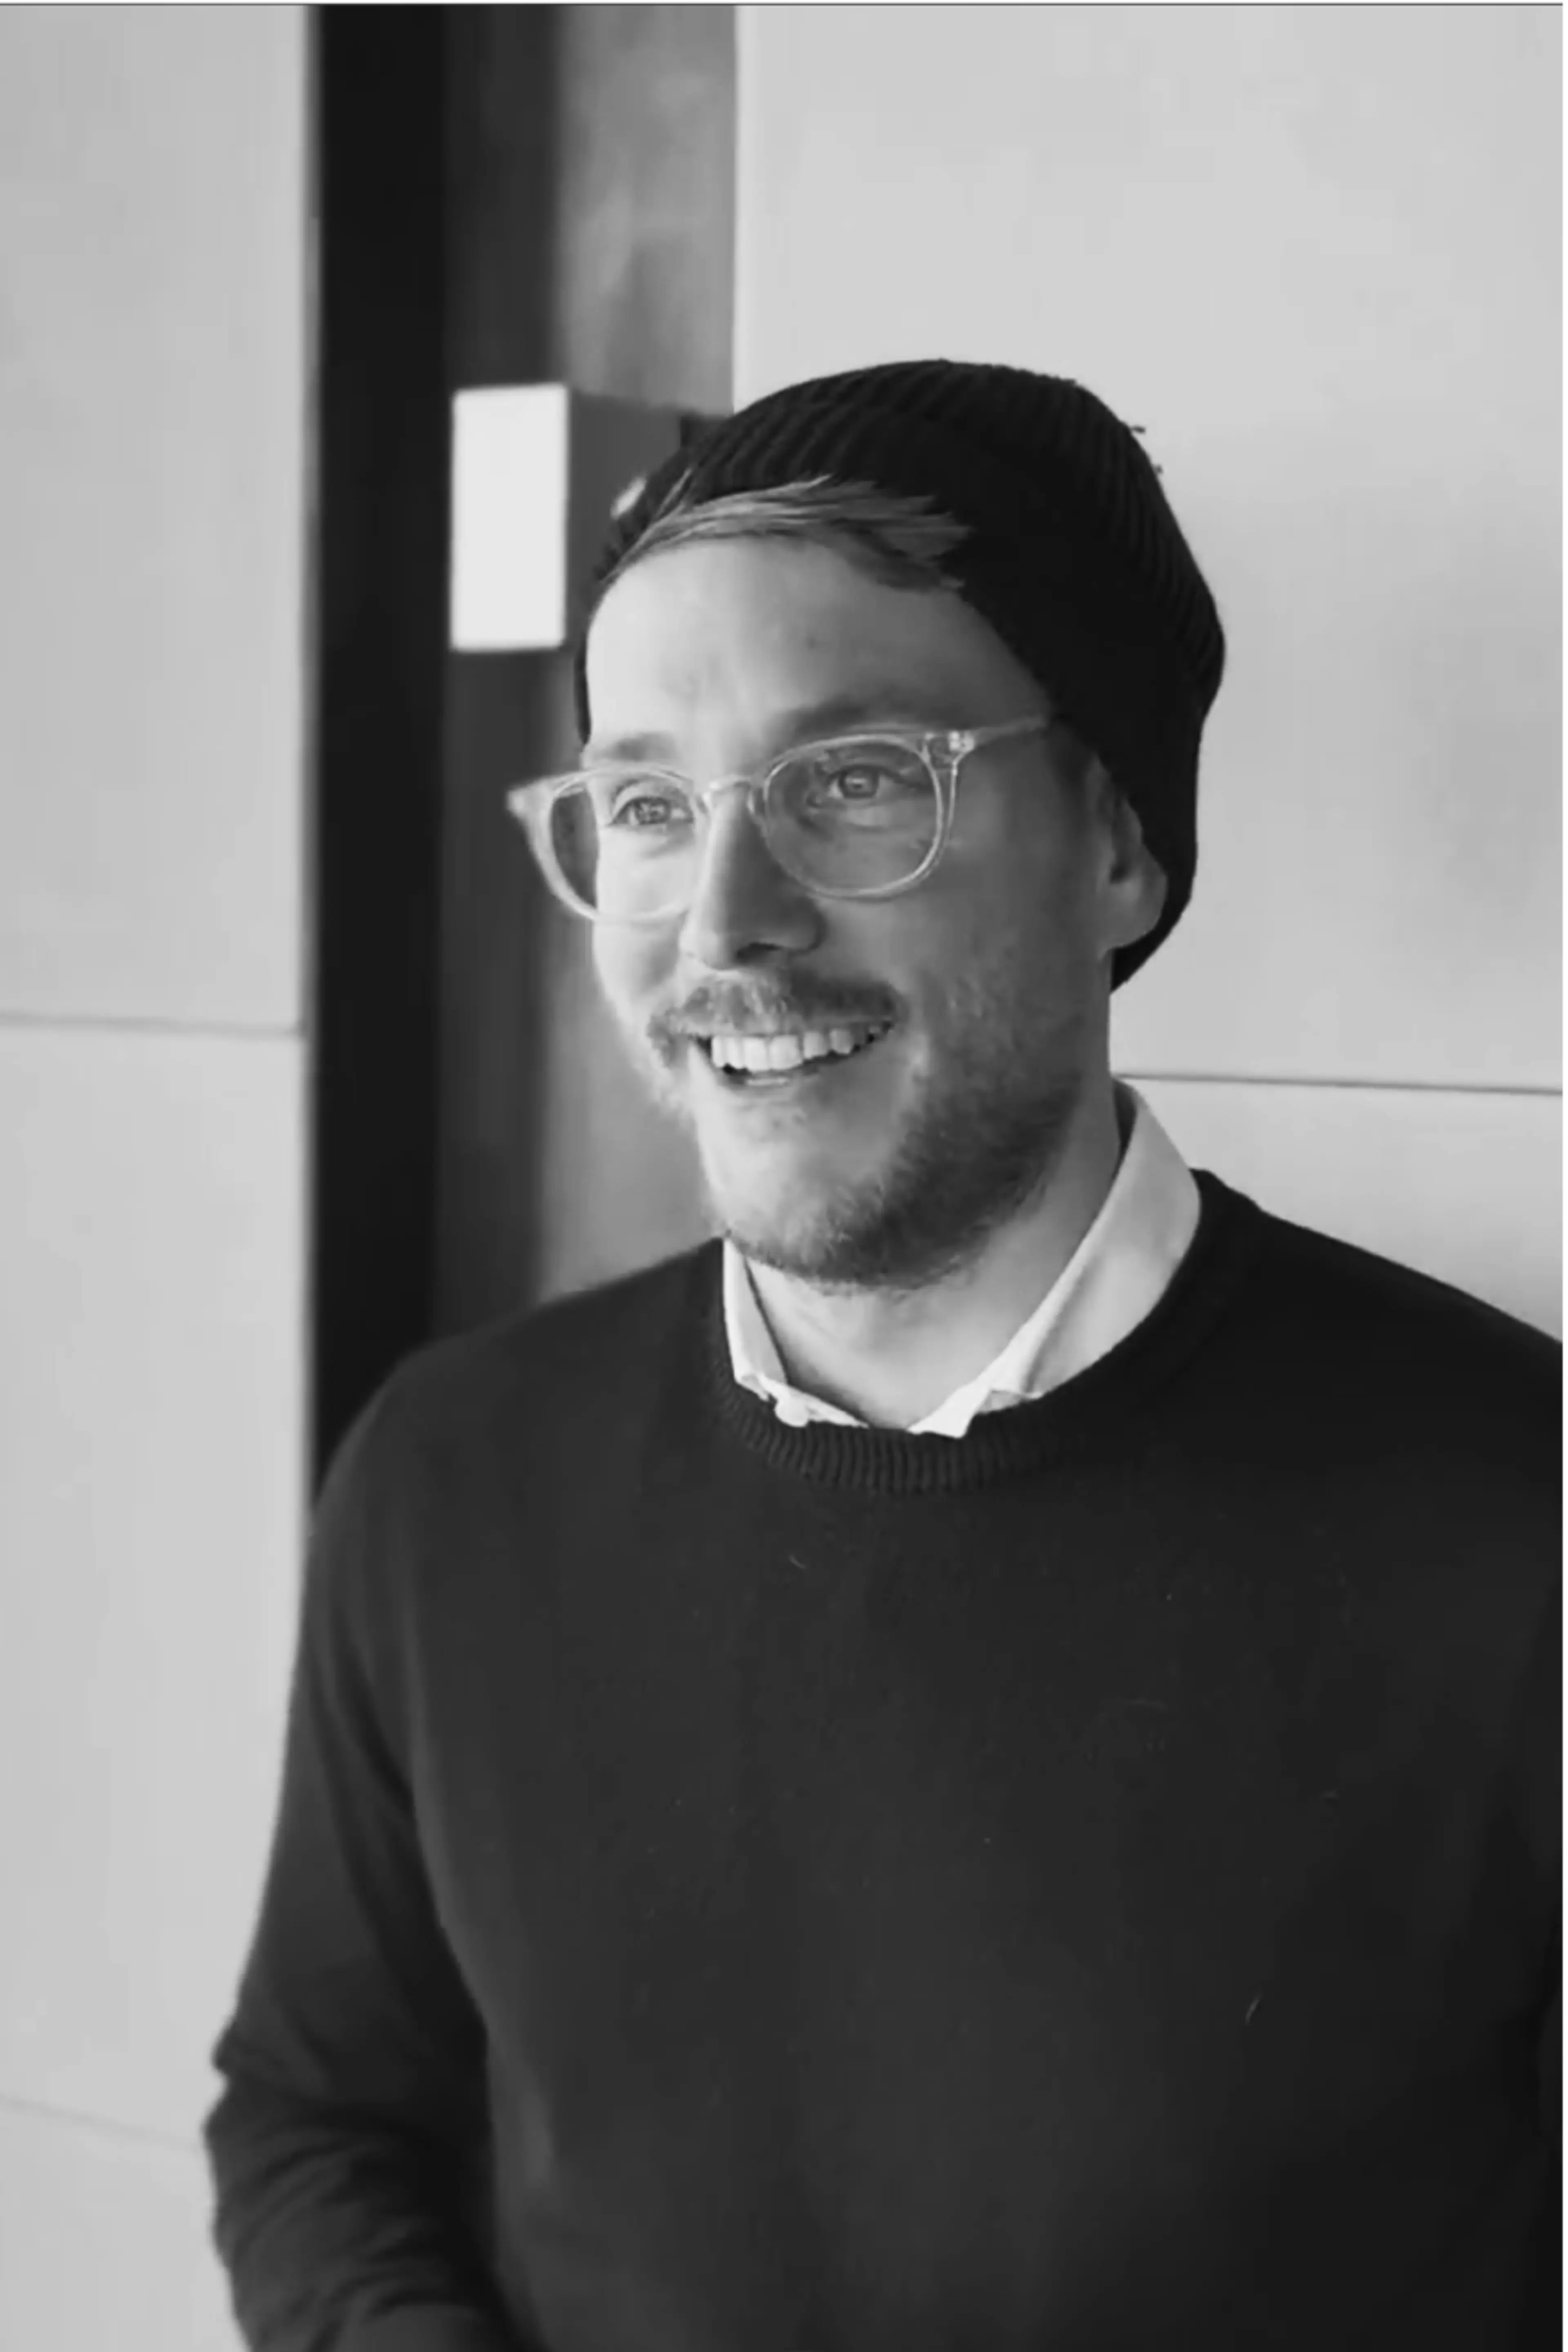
{"x":890,"y":1358}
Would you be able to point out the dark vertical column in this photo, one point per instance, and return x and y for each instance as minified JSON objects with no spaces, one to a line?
{"x":644,"y":293}
{"x":382,"y":539}
{"x":504,"y":711}
{"x":592,"y":233}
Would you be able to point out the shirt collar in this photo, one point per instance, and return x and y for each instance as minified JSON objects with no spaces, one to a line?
{"x":1114,"y":1278}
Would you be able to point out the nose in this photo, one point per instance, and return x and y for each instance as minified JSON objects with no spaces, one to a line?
{"x":744,"y":908}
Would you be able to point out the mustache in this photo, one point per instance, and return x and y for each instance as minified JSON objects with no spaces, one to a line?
{"x":741,"y":1005}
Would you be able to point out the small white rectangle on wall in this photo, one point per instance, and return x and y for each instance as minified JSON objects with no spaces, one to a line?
{"x":511,"y":487}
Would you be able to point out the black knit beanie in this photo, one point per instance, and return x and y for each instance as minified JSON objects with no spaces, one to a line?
{"x":1073,"y":556}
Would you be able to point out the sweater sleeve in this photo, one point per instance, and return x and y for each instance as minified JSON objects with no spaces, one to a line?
{"x":347,"y":2146}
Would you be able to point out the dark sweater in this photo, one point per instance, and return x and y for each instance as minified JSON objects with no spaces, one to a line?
{"x":1091,"y":1884}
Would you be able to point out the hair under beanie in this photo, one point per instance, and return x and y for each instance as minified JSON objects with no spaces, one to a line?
{"x":1074,"y":556}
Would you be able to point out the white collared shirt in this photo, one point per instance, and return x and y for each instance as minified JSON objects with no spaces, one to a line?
{"x":1115,"y":1277}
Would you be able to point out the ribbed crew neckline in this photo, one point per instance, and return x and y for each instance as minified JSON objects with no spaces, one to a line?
{"x":1021,"y":1438}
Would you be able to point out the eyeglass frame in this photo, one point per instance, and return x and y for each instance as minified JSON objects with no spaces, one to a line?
{"x":941,"y":751}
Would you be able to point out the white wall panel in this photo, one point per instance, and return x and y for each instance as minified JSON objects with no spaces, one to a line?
{"x":104,"y":2245}
{"x":153,"y":404}
{"x":1465,"y":1187}
{"x":1317,"y":252}
{"x":151,"y":1412}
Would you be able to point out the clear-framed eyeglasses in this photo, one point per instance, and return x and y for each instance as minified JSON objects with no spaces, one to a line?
{"x":856,"y":816}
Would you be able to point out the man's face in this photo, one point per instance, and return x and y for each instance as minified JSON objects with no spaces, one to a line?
{"x":889,"y":1167}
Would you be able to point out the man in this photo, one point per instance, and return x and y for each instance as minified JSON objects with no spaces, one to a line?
{"x":973,"y":1764}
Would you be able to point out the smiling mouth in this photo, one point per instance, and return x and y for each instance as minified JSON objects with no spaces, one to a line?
{"x":763,"y":1064}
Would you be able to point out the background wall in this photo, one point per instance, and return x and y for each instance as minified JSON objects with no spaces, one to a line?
{"x":1315,"y":252}
{"x":152,"y":389}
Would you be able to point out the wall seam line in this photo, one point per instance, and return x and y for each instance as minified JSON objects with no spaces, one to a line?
{"x":113,"y":1025}
{"x":116,"y":2128}
{"x":109,"y":1024}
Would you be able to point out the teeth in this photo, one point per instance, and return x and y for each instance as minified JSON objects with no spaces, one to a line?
{"x":789,"y":1051}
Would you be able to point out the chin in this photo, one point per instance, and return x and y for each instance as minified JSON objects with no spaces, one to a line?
{"x":819,"y":1256}
{"x":780,"y":1198}
{"x":870,"y":1235}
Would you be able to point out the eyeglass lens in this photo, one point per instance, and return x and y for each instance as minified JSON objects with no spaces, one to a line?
{"x":851,"y":817}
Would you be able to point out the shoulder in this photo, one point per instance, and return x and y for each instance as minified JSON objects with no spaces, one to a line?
{"x":1399,"y":1301}
{"x":1362,"y":1334}
{"x":600,"y":1342}
{"x":477,"y":1433}
{"x":1406,"y":1437}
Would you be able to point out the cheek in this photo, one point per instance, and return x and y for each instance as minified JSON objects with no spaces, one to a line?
{"x":1012,"y":963}
{"x":1040,"y":911}
{"x":631,"y":970}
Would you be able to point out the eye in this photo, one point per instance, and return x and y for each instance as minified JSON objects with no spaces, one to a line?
{"x":870,"y":780}
{"x":859,"y":784}
{"x":642,"y":805}
{"x":642,"y":812}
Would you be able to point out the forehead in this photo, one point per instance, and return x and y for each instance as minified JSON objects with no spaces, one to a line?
{"x":730,"y":634}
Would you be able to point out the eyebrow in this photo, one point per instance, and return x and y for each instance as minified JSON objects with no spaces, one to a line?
{"x":893,"y":706}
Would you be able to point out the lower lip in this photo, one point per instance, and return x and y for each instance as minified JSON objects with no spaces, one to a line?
{"x":773,"y":1086}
